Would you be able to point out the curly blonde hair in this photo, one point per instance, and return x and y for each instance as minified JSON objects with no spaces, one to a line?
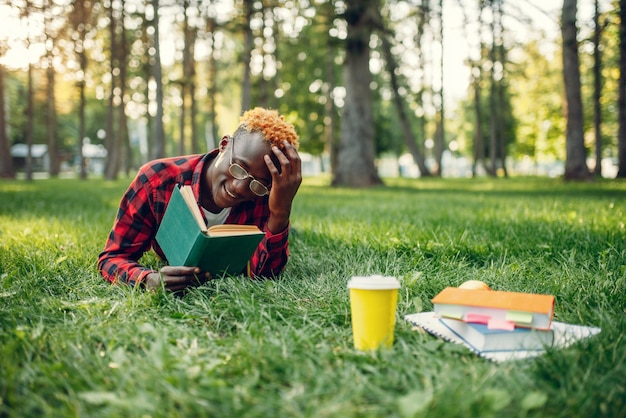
{"x":274,"y":128}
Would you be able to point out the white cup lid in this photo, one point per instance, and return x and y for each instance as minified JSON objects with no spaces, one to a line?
{"x":376,"y":282}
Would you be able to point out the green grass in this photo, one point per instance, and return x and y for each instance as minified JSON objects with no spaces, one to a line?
{"x":73,"y":345}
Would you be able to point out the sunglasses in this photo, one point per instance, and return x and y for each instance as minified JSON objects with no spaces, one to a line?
{"x":240,"y":173}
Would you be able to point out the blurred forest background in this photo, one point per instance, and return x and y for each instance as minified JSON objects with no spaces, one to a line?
{"x":375,"y":88}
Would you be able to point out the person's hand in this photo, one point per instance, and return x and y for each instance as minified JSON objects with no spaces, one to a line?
{"x":285,"y":184}
{"x":176,"y":278}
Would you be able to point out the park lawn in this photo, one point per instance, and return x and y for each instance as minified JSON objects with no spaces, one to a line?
{"x":73,"y":345}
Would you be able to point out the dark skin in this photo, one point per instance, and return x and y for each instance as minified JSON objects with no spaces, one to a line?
{"x":219,"y":190}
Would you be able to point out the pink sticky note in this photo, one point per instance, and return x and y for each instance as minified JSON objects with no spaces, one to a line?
{"x":501,"y":324}
{"x":477,"y":318}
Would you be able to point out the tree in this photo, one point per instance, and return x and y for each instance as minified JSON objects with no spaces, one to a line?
{"x":212,"y":28}
{"x":440,"y":130}
{"x":30,"y":120}
{"x":356,"y":154}
{"x":621,"y":101}
{"x":118,"y":146}
{"x":597,"y":89}
{"x":494,"y":88}
{"x":502,"y":102}
{"x":477,"y":80}
{"x":122,"y":60}
{"x":26,"y":14}
{"x":6,"y":162}
{"x":187,"y":84}
{"x":537,"y":101}
{"x":475,"y":63}
{"x":80,"y":20}
{"x":51,"y":116}
{"x":158,"y":134}
{"x":119,"y":155}
{"x":400,"y":102}
{"x":248,"y":45}
{"x":112,"y":140}
{"x":575,"y":159}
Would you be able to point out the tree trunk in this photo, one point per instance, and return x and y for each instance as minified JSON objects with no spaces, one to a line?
{"x":621,"y":101}
{"x":493,"y":108}
{"x":81,"y":126}
{"x":398,"y":100}
{"x":440,"y":130}
{"x":575,"y":160}
{"x":112,"y":138}
{"x":181,"y":121}
{"x":330,"y":120}
{"x":126,"y":156}
{"x":477,"y":79}
{"x":356,"y":155}
{"x":29,"y":124}
{"x":246,"y":88}
{"x":597,"y":89}
{"x":500,"y":55}
{"x":51,"y":115}
{"x":479,"y":146}
{"x":212,"y":85}
{"x":501,"y":130}
{"x":80,"y":19}
{"x":184,"y":81}
{"x":158,"y":133}
{"x":190,"y":82}
{"x":51,"y":121}
{"x":423,"y":17}
{"x":193,"y":110}
{"x":7,"y":170}
{"x":263,"y":87}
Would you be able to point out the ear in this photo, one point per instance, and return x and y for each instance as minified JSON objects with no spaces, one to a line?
{"x":224,"y":142}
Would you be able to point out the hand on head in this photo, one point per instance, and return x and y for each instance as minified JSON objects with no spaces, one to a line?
{"x":285,"y":183}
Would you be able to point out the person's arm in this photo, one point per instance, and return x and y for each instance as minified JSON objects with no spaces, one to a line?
{"x":285,"y":184}
{"x":271,"y":256}
{"x":131,"y":236}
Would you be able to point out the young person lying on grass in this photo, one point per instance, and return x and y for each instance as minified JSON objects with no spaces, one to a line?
{"x":251,"y":178}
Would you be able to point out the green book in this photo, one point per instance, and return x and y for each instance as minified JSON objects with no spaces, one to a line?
{"x":186,"y":241}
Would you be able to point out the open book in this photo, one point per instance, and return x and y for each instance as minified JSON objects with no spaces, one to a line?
{"x":186,"y":241}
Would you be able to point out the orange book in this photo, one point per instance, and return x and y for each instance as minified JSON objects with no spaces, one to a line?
{"x":498,"y":309}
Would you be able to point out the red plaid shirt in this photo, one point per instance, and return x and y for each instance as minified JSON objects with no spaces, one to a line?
{"x":141,"y":211}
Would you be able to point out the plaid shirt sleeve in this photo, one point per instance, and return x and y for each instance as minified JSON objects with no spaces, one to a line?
{"x":131,"y":236}
{"x":140,"y":212}
{"x":272,"y":254}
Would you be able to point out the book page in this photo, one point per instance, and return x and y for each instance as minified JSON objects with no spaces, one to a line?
{"x":190,"y":200}
{"x":232,"y":229}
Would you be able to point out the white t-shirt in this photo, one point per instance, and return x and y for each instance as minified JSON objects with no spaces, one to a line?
{"x":215,"y":218}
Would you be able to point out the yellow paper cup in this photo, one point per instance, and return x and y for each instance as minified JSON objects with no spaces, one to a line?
{"x":373,"y":301}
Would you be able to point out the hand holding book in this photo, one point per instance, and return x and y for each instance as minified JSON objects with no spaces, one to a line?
{"x":186,"y":241}
{"x":176,"y":278}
